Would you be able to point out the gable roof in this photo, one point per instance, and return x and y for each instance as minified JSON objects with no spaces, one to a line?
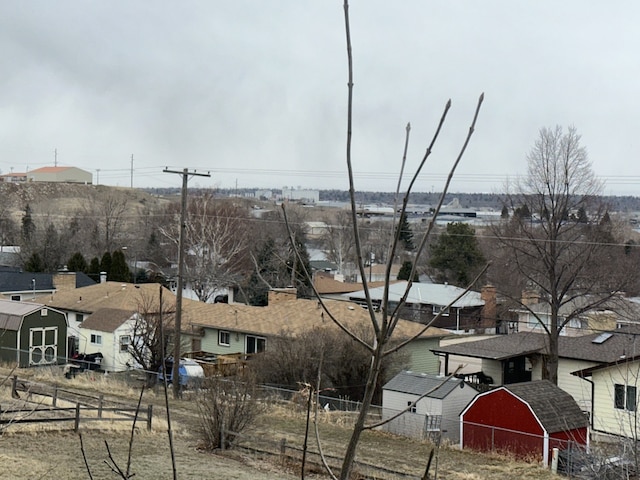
{"x":326,"y":284}
{"x":420,"y":383}
{"x":49,"y":169}
{"x":502,"y":347}
{"x":556,"y":410}
{"x":123,"y":296}
{"x":12,"y":313}
{"x":292,"y":317}
{"x":107,"y":319}
{"x":424,"y":293}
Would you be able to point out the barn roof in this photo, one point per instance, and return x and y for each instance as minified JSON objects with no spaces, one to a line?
{"x":107,"y":319}
{"x":556,"y":410}
{"x":419,"y":383}
{"x":12,"y":313}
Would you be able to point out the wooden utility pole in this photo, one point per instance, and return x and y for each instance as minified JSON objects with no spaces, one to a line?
{"x":175,"y":374}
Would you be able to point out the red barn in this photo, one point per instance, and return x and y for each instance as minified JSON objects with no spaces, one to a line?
{"x":527,"y":419}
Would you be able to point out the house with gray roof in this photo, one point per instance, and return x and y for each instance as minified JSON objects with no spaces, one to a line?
{"x":434,"y":404}
{"x":520,"y":357}
{"x":459,"y":311}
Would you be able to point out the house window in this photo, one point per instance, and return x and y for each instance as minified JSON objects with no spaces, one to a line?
{"x":43,"y":345}
{"x":125,"y":342}
{"x":79,"y":317}
{"x":625,"y":397}
{"x":413,"y":408}
{"x":224,"y":338}
{"x":438,"y":308}
{"x":255,"y":344}
{"x":16,"y":298}
{"x":96,"y":339}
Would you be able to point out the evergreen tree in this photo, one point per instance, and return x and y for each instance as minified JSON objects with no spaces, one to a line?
{"x":582,"y":215}
{"x":34,"y":263}
{"x":405,"y":272}
{"x":105,"y":264}
{"x":94,"y":268}
{"x":119,"y":269}
{"x":77,"y":263}
{"x":28,"y":227}
{"x":406,"y":234}
{"x":456,"y":255}
{"x":505,"y":212}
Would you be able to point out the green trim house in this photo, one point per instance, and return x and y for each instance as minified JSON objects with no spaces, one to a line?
{"x":32,"y":334}
{"x":227,"y":329}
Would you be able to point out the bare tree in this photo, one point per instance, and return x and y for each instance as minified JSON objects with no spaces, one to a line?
{"x":572,"y":266}
{"x":216,"y":239}
{"x":154,"y":317}
{"x":384,"y":322}
{"x":108,"y":208}
{"x":338,"y":241}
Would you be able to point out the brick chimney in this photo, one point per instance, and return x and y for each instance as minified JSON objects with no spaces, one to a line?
{"x":64,"y":281}
{"x":530,"y":297}
{"x":489,"y":310}
{"x":279,"y":295}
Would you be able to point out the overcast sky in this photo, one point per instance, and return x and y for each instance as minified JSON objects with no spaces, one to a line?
{"x":255,"y":91}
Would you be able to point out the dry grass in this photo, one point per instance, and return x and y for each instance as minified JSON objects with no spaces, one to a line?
{"x":151,"y":455}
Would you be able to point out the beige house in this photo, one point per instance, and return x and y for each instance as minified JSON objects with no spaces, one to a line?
{"x":60,"y":174}
{"x":615,"y":397}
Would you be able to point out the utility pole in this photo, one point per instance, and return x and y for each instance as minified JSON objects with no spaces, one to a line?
{"x":175,"y":374}
{"x":55,"y":157}
{"x":132,"y":170}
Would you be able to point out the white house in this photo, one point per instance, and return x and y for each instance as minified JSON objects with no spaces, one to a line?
{"x":438,"y":412}
{"x":109,"y":331}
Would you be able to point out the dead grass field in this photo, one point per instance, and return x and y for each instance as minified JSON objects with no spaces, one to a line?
{"x":36,"y":452}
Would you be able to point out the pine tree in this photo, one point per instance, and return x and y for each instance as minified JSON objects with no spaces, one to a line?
{"x":406,"y":234}
{"x":456,"y":255}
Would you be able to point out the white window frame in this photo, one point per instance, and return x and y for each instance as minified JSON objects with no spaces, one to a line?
{"x":221,"y":339}
{"x":439,"y":308}
{"x":44,"y":349}
{"x":96,"y":339}
{"x":124,"y":341}
{"x":257,"y":340}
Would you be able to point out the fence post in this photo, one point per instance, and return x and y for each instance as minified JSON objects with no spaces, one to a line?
{"x":54,"y":397}
{"x":554,"y":460}
{"x":283,"y":449}
{"x":14,"y":387}
{"x":149,"y":415}
{"x":77,"y":424}
{"x":100,"y":402}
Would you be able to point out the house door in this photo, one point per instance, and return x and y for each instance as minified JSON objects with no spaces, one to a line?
{"x":43,"y":345}
{"x":515,"y":370}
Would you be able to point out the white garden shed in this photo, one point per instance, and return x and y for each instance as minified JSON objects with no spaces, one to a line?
{"x":438,"y":412}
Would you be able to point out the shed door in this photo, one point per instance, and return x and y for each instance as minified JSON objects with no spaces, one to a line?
{"x":43,"y":345}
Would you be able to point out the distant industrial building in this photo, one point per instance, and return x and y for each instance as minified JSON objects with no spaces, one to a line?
{"x":60,"y":174}
{"x":308,"y":196}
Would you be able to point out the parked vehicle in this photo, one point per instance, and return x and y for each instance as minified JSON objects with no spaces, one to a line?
{"x":190,"y":372}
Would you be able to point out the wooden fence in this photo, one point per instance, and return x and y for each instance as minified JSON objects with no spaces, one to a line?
{"x":87,"y":408}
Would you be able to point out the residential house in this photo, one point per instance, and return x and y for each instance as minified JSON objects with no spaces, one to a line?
{"x":78,"y":304}
{"x":435,"y":404}
{"x":110,"y":332}
{"x":615,"y":388}
{"x":13,"y":177}
{"x":526,"y":419}
{"x":224,"y":329}
{"x":507,"y":359}
{"x":459,"y":311}
{"x":60,"y":174}
{"x":32,"y":334}
{"x":535,"y":316}
{"x":333,"y":287}
{"x":29,"y":286}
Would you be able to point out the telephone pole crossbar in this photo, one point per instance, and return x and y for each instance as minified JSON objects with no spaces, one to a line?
{"x":175,"y":374}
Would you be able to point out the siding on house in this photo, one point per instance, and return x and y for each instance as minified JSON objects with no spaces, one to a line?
{"x":421,"y":358}
{"x":578,"y":388}
{"x":210,"y":342}
{"x":493,"y":368}
{"x":606,"y":417}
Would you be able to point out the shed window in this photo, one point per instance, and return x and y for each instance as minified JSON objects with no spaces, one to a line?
{"x":413,"y":408}
{"x":224,"y":338}
{"x":625,"y":397}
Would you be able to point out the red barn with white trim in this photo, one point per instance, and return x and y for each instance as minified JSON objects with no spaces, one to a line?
{"x":526,"y":419}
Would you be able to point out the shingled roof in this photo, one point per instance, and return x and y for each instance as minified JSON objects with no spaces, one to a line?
{"x":107,"y":319}
{"x":556,"y":410}
{"x":584,"y":347}
{"x":419,"y":383}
